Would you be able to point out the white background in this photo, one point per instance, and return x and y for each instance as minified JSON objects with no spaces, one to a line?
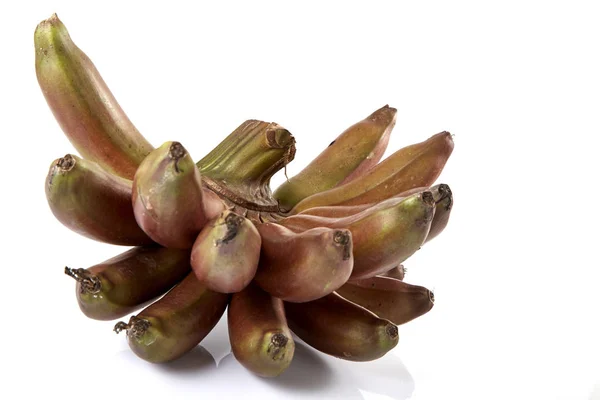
{"x":515,"y":273}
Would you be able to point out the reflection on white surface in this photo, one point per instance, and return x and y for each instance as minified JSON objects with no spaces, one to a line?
{"x":311,"y":375}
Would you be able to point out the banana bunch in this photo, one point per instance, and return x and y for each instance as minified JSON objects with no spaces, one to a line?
{"x":320,"y":257}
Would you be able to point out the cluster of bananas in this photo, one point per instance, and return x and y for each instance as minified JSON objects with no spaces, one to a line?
{"x":321,"y":256}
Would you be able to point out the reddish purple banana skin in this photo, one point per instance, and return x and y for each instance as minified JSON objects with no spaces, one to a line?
{"x":350,"y":155}
{"x":341,"y":328}
{"x":300,"y":267}
{"x":225,"y":254}
{"x":130,"y":280}
{"x":389,"y":298}
{"x":93,"y":202}
{"x":417,"y":165}
{"x":396,"y":273}
{"x":260,"y":338}
{"x":383,"y":236}
{"x":444,"y":201}
{"x":168,"y":199}
{"x":442,"y":196}
{"x":175,"y":324}
{"x":83,"y":105}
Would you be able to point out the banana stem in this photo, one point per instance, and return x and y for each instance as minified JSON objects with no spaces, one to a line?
{"x":251,"y":153}
{"x":136,"y":327}
{"x":89,"y":282}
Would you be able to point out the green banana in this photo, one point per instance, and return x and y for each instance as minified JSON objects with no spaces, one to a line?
{"x":355,"y":151}
{"x":225,"y":254}
{"x":176,"y":323}
{"x":299,"y":267}
{"x":341,"y":328}
{"x":260,"y":338}
{"x":83,"y":105}
{"x":389,"y":298}
{"x":414,"y":166}
{"x":124,"y":283}
{"x":168,"y":200}
{"x":93,"y":202}
{"x":383,"y":236}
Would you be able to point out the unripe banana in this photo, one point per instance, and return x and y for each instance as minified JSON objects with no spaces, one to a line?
{"x":176,"y":323}
{"x":168,"y":199}
{"x":93,"y":202}
{"x":83,"y":105}
{"x":122,"y":284}
{"x":225,"y":254}
{"x":389,"y":298}
{"x":260,"y":338}
{"x":414,"y":166}
{"x":355,"y":151}
{"x":383,"y":236}
{"x":341,"y":328}
{"x":299,"y":267}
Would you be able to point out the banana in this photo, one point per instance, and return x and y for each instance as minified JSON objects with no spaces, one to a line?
{"x":383,"y":236}
{"x":414,"y":166}
{"x":124,"y":283}
{"x":443,"y":205}
{"x":355,"y":151}
{"x":341,"y":328}
{"x":260,"y":338}
{"x":346,"y":211}
{"x":389,"y":298}
{"x":299,"y":267}
{"x":225,"y":254}
{"x":176,"y":323}
{"x":93,"y":202}
{"x":168,"y":200}
{"x":83,"y":105}
{"x":396,"y":272}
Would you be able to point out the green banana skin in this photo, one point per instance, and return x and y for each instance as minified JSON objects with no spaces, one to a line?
{"x":389,"y":298}
{"x":127,"y":282}
{"x":175,"y":324}
{"x":260,"y":338}
{"x":417,"y":165}
{"x":396,"y":272}
{"x":354,"y":152}
{"x":83,"y":105}
{"x":93,"y":202}
{"x":383,"y":236}
{"x":225,"y":254}
{"x":300,"y":267}
{"x":443,"y":206}
{"x":341,"y":328}
{"x":168,"y":200}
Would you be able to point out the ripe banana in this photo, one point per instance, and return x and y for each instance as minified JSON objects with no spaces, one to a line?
{"x":225,"y":254}
{"x":389,"y":298}
{"x":168,"y":201}
{"x":93,"y":202}
{"x":341,"y":328}
{"x":176,"y":323}
{"x":260,"y":338}
{"x":383,"y":236}
{"x":124,"y":283}
{"x":355,"y":151}
{"x":299,"y":267}
{"x":83,"y":105}
{"x":414,"y":166}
